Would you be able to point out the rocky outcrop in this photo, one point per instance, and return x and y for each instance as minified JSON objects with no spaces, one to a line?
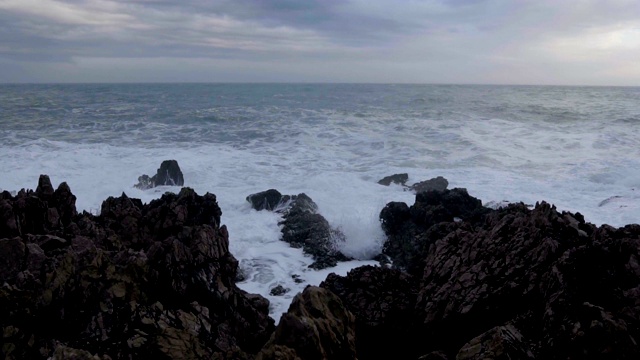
{"x":400,"y":179}
{"x":317,"y":326}
{"x":436,"y":184}
{"x":383,"y":302}
{"x":169,"y":173}
{"x":411,"y":230}
{"x":302,"y":226}
{"x":137,"y":281}
{"x":511,"y":283}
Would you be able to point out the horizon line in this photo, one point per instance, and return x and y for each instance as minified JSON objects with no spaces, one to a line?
{"x":293,"y":83}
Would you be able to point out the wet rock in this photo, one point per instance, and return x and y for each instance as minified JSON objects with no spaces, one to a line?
{"x":137,"y":281}
{"x":317,"y":326}
{"x":169,"y":173}
{"x":302,"y":226}
{"x":270,"y":200}
{"x":279,"y":291}
{"x":399,"y":179}
{"x":436,"y":184}
{"x":412,"y":230}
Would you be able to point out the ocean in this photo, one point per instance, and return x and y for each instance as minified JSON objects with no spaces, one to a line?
{"x":575,"y":147}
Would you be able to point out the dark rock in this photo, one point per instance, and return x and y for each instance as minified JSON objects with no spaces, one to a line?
{"x":499,"y":343}
{"x":383,"y":302}
{"x":399,"y":179}
{"x":44,"y":189}
{"x":270,"y":200}
{"x":434,"y":355}
{"x":12,"y":254}
{"x":317,"y":326}
{"x":411,"y":230}
{"x":436,"y":184}
{"x":169,"y":173}
{"x":296,"y":278}
{"x":302,"y":226}
{"x":279,"y":291}
{"x":137,"y":281}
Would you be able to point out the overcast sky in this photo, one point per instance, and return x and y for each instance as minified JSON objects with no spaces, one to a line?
{"x":574,"y":42}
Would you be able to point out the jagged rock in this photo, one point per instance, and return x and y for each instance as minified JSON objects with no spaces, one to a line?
{"x":411,"y":230}
{"x":317,"y":326}
{"x":137,"y":281}
{"x":169,"y":173}
{"x":500,"y":343}
{"x":436,"y":184}
{"x":399,"y":179}
{"x":302,"y":226}
{"x":383,"y":302}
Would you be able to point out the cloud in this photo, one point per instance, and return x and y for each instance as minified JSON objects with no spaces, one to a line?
{"x":361,"y":40}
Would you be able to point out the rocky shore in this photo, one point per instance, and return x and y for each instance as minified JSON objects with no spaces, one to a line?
{"x":157,"y":280}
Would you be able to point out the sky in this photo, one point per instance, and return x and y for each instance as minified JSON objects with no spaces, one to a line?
{"x":546,"y":42}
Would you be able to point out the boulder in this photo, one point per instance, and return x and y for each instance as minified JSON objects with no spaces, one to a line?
{"x":169,"y":173}
{"x":436,"y":184}
{"x":317,"y":326}
{"x":137,"y":281}
{"x":399,"y":179}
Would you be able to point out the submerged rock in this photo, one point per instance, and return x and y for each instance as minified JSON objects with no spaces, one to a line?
{"x":303,"y":226}
{"x":169,"y":173}
{"x":399,"y":179}
{"x":138,"y":281}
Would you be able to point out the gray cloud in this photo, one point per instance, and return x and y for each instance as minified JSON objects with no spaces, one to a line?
{"x":585,"y":41}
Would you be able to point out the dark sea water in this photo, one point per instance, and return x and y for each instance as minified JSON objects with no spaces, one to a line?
{"x":572,"y":146}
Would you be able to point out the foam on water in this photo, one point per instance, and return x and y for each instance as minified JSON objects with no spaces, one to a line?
{"x":334,"y":152}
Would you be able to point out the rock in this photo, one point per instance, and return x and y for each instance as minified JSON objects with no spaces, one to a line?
{"x":436,"y":184}
{"x":302,"y":226}
{"x":137,"y":281}
{"x":279,"y":291}
{"x":499,"y":343}
{"x":412,"y":230}
{"x":169,"y":173}
{"x":12,"y":253}
{"x":270,"y":200}
{"x":383,"y":302}
{"x":44,"y":189}
{"x":317,"y":326}
{"x":399,"y":179}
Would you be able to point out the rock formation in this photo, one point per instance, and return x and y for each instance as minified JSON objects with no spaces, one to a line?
{"x":435,"y":184}
{"x":137,"y":281}
{"x":303,"y":226}
{"x":169,"y":173}
{"x":511,"y":283}
{"x":317,"y":326}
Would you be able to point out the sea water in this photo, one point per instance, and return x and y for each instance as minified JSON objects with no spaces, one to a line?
{"x":575,"y":147}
